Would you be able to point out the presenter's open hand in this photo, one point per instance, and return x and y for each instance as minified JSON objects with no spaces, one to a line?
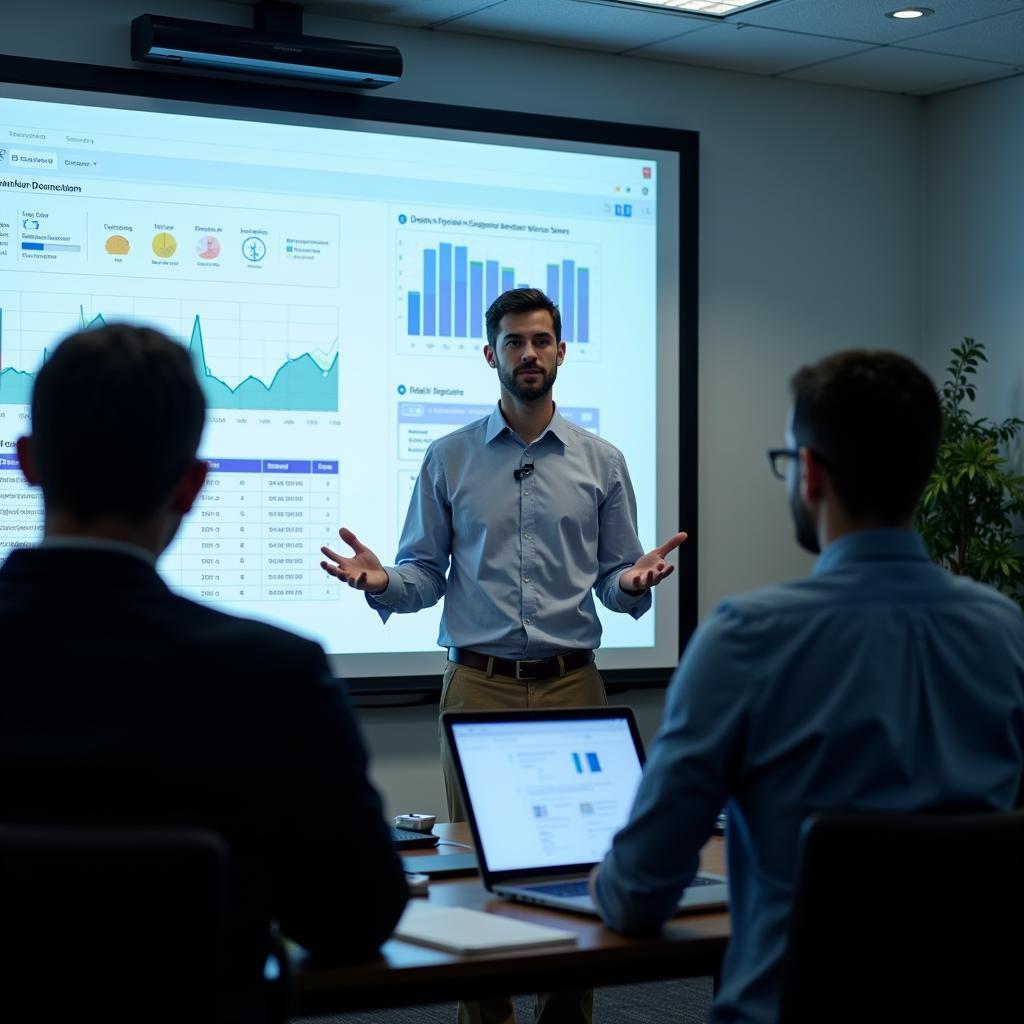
{"x":362,"y":571}
{"x":651,"y":569}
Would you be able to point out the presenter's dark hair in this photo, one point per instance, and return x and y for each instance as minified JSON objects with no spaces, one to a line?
{"x":117,"y":413}
{"x":875,"y":420}
{"x":519,"y":300}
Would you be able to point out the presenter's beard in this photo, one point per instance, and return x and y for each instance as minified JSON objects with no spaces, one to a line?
{"x":529,"y":391}
{"x":806,"y":528}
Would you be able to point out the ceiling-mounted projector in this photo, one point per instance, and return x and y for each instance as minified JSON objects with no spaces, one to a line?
{"x":200,"y":44}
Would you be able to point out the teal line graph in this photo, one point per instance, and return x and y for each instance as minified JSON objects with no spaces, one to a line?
{"x":299,"y":384}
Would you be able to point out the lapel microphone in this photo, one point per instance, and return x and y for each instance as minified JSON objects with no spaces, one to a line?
{"x":521,"y":474}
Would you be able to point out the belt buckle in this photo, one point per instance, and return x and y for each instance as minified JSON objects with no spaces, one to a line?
{"x":526,"y":661}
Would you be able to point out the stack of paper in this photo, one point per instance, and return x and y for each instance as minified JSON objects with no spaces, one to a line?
{"x":460,"y":930}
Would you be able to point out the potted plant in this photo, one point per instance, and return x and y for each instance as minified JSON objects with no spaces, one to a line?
{"x":969,"y":512}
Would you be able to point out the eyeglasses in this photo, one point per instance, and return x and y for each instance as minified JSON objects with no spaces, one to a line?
{"x":778,"y":459}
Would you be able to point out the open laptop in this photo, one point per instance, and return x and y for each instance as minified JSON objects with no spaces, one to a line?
{"x":545,"y":792}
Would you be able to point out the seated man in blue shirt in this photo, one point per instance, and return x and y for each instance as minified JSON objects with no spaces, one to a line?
{"x":881,"y":683}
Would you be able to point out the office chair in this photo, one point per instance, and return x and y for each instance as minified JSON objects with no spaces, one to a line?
{"x":907,"y":917}
{"x":115,"y":924}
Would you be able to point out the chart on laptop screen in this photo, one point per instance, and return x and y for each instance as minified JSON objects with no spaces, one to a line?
{"x":548,"y":793}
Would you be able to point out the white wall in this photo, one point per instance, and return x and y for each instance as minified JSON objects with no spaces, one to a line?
{"x":810,"y":230}
{"x":974,"y":239}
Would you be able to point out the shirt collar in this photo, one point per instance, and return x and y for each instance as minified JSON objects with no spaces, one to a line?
{"x":556,"y":425}
{"x":119,"y":547}
{"x":882,"y":545}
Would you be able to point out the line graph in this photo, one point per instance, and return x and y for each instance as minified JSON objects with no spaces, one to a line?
{"x":247,"y":356}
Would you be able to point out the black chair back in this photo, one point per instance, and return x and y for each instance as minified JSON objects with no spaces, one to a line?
{"x":112,"y":924}
{"x":913,"y":917}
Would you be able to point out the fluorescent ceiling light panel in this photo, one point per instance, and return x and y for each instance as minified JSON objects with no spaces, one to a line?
{"x":716,"y":8}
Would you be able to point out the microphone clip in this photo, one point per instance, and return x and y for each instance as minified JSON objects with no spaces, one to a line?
{"x":521,"y":474}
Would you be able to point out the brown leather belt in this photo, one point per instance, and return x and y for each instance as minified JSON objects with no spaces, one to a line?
{"x":527,"y":670}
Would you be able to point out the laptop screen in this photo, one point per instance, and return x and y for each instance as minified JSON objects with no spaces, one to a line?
{"x":547,"y":792}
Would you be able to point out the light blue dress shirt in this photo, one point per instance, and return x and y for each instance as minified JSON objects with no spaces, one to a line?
{"x":880,"y":683}
{"x":524,"y":554}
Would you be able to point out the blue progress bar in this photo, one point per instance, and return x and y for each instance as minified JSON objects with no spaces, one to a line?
{"x":50,"y":247}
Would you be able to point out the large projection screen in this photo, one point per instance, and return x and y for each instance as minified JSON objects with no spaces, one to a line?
{"x":327,"y":260}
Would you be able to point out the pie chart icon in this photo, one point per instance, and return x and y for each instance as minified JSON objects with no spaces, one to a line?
{"x":118,"y":245}
{"x":165,"y":245}
{"x":208,"y":247}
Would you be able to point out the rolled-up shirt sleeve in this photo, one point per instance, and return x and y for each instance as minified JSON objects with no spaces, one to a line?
{"x":418,"y":578}
{"x":619,"y":546}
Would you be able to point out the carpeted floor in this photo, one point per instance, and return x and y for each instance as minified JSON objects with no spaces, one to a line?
{"x":686,"y":1001}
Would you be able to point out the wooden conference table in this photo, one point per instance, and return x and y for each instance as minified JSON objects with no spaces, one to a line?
{"x":404,"y":974}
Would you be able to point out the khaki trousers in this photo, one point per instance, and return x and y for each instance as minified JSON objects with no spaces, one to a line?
{"x":470,"y":689}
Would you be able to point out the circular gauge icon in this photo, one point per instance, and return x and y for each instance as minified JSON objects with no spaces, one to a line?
{"x":208,"y":247}
{"x":254,"y":248}
{"x":118,"y":245}
{"x":165,"y":245}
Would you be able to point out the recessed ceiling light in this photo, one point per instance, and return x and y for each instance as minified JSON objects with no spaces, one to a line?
{"x":715,"y":8}
{"x":908,"y":13}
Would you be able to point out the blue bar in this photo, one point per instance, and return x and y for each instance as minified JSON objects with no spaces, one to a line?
{"x":34,"y":246}
{"x":287,"y":466}
{"x":9,"y":462}
{"x":553,"y":282}
{"x":444,"y":291}
{"x":429,"y":291}
{"x":235,"y":465}
{"x":326,"y":466}
{"x":476,"y":299}
{"x":576,"y":761}
{"x":568,"y":300}
{"x":595,"y":765}
{"x":461,"y":257}
{"x":508,"y":278}
{"x":414,"y":312}
{"x":492,"y":281}
{"x":583,"y":304}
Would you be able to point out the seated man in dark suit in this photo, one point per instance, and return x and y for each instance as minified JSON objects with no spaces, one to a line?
{"x":124,"y":703}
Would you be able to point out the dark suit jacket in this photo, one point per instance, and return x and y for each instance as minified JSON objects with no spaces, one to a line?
{"x":122,"y":702}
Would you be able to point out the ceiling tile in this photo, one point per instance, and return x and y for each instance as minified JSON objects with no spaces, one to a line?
{"x":414,"y":13}
{"x":865,"y":19}
{"x":586,"y":26}
{"x":753,"y":50}
{"x":893,"y":69}
{"x":992,"y":39}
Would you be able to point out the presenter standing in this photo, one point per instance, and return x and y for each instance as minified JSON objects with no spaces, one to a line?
{"x":516,"y":519}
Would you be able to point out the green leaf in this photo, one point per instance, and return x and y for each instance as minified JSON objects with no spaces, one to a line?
{"x":973,"y":498}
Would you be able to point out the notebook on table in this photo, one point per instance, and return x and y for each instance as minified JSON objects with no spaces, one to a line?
{"x":466,"y":931}
{"x":545,"y":793}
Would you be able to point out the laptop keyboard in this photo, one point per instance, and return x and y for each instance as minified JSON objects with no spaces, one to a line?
{"x":407,"y":839}
{"x":569,"y":889}
{"x":562,"y":888}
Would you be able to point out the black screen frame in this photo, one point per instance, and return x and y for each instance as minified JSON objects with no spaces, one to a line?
{"x":450,"y":719}
{"x":261,"y":93}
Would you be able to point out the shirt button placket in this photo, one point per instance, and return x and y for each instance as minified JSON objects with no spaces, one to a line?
{"x":527,"y":510}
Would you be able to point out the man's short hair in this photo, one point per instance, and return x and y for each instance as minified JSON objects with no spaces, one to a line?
{"x":117,"y":413}
{"x":875,"y":421}
{"x":519,"y":300}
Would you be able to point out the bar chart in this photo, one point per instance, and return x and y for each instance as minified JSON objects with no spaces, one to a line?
{"x":447,"y":284}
